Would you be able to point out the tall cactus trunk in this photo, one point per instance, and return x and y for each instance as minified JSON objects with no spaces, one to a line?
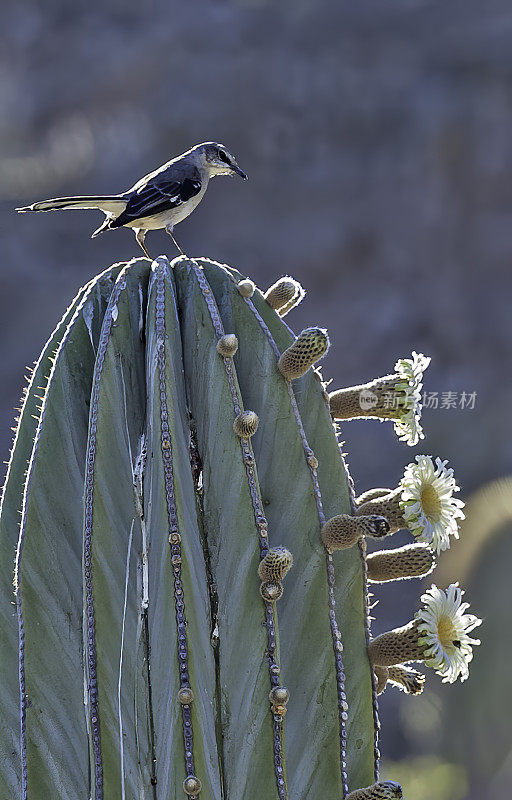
{"x":140,"y":653}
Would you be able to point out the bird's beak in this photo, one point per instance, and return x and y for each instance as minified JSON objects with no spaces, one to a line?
{"x":239,"y":171}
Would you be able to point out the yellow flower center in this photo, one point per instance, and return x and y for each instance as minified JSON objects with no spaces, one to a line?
{"x":447,"y":634}
{"x":430,"y":503}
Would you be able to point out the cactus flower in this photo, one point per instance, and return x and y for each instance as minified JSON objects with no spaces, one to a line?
{"x":429,"y":508}
{"x":438,"y":635}
{"x":444,"y":628}
{"x":394,"y":397}
{"x":423,"y":502}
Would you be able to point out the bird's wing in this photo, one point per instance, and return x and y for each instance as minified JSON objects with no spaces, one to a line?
{"x":159,"y":193}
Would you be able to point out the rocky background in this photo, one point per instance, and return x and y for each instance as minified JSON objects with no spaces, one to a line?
{"x":378,"y":140}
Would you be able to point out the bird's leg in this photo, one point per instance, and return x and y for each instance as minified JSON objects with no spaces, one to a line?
{"x":140,"y":235}
{"x":169,"y":231}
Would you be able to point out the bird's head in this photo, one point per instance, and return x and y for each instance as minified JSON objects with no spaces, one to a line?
{"x":218,"y":160}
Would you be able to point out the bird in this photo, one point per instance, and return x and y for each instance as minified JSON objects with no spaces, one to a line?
{"x":160,"y":199}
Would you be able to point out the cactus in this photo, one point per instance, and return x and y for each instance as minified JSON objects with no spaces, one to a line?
{"x":180,"y":625}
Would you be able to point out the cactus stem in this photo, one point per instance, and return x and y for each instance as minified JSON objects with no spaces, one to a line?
{"x":89,"y":492}
{"x":92,"y":680}
{"x":191,"y":785}
{"x":84,"y":296}
{"x":261,"y":523}
{"x":335,"y":633}
{"x":367,"y":597}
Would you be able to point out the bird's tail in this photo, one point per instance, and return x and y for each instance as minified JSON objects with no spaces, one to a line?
{"x":110,"y":204}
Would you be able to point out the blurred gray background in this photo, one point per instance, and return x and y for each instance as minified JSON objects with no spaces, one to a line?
{"x":377,"y":138}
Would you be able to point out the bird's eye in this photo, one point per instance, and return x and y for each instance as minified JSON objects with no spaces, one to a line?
{"x":223,"y":157}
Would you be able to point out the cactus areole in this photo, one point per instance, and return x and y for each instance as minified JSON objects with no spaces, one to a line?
{"x":174,"y":454}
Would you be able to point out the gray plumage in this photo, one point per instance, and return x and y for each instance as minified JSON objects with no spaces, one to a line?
{"x":160,"y":199}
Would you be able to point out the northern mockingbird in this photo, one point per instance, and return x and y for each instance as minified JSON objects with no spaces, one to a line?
{"x":160,"y":199}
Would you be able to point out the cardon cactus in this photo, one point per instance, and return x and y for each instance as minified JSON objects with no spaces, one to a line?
{"x":179,"y":626}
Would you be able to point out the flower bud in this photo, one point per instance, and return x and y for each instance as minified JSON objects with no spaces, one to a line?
{"x":279,"y":696}
{"x":371,"y":494}
{"x":185,"y":696}
{"x":382,"y":675}
{"x":344,"y":531}
{"x":271,"y":591}
{"x":227,"y":345}
{"x":408,"y":680}
{"x":388,"y":506}
{"x":284,"y":294}
{"x":246,"y":424}
{"x":308,"y":347}
{"x":192,"y":786}
{"x":275,"y":565}
{"x":411,"y":561}
{"x":246,"y":288}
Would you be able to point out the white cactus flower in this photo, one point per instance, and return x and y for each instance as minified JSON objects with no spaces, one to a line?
{"x":443,"y":631}
{"x":428,"y":506}
{"x":410,"y":373}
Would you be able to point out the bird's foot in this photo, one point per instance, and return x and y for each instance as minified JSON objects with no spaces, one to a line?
{"x":140,"y":235}
{"x":171,"y":234}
